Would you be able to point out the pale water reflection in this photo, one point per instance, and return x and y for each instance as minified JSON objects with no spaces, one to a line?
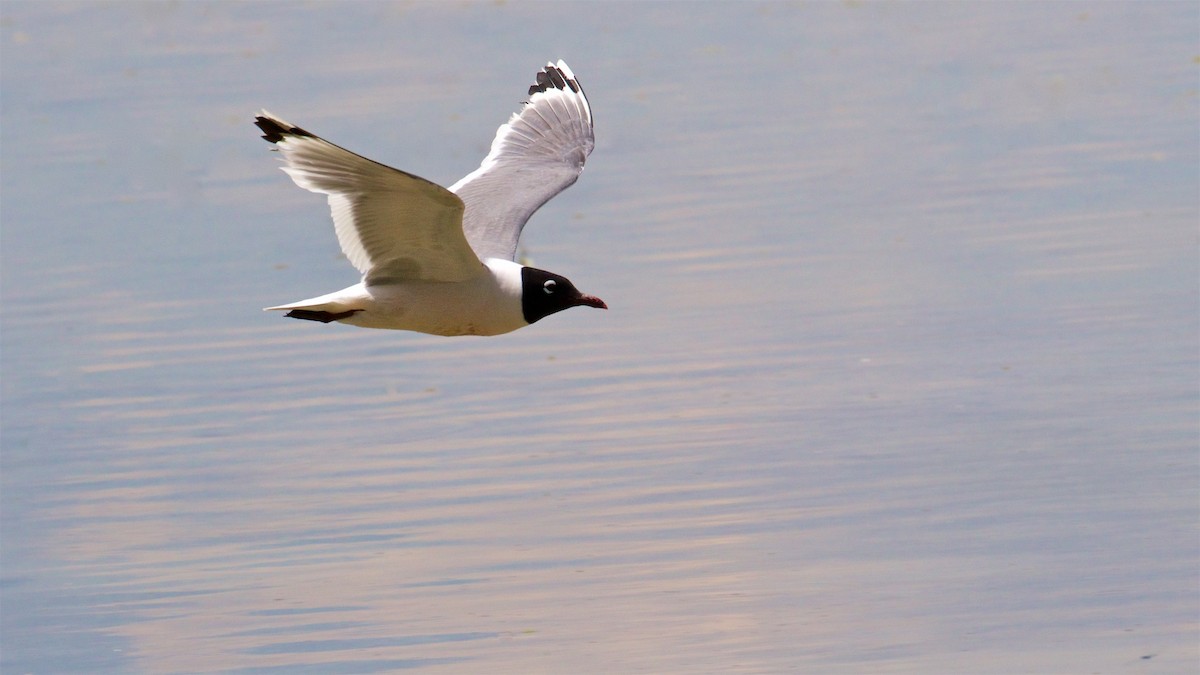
{"x":900,"y":373}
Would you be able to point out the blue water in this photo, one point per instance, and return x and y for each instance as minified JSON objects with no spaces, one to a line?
{"x":900,"y":372}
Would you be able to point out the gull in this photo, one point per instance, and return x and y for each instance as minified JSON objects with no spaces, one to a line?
{"x":443,"y":261}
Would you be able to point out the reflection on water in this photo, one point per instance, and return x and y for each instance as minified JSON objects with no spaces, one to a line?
{"x":899,"y":376}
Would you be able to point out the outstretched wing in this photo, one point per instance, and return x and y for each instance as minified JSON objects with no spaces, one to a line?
{"x":392,"y":225}
{"x":539,"y":153}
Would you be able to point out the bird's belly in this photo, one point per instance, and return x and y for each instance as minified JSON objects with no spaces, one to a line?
{"x":468,"y":308}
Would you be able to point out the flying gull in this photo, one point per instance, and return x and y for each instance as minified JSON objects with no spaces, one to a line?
{"x":443,"y":261}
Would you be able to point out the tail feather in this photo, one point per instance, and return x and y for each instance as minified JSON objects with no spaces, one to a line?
{"x":326,"y":308}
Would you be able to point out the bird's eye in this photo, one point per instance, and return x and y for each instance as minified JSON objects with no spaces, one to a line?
{"x":549,"y":286}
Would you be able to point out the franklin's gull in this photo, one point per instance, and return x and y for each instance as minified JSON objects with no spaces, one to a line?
{"x":443,"y":261}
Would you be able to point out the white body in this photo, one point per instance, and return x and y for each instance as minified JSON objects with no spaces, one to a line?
{"x":488,"y":304}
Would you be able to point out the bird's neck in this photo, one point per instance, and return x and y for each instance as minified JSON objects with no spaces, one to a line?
{"x":507,"y":275}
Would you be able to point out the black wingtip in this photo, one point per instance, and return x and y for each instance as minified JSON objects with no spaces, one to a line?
{"x":552,"y":77}
{"x":274,"y":129}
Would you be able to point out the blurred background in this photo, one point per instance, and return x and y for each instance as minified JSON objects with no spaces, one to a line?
{"x":900,"y":373}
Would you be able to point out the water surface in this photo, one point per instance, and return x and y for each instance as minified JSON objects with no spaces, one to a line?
{"x":900,"y":373}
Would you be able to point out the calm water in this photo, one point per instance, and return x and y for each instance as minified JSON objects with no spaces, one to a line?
{"x":900,"y":374}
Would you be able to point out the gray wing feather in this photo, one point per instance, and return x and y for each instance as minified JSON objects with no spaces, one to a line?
{"x":390,"y":224}
{"x":537,"y":154}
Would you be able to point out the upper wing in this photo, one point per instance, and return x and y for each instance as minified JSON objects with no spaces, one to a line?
{"x":539,"y":153}
{"x":392,"y":225}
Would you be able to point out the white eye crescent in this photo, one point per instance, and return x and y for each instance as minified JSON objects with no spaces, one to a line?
{"x":549,"y":286}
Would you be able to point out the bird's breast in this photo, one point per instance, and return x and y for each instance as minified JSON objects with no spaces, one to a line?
{"x":480,"y":306}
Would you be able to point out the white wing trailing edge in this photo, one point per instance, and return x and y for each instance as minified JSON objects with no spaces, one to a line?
{"x":392,"y":225}
{"x":539,"y":153}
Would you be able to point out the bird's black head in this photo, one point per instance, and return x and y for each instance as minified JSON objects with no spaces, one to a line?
{"x":544,"y":293}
